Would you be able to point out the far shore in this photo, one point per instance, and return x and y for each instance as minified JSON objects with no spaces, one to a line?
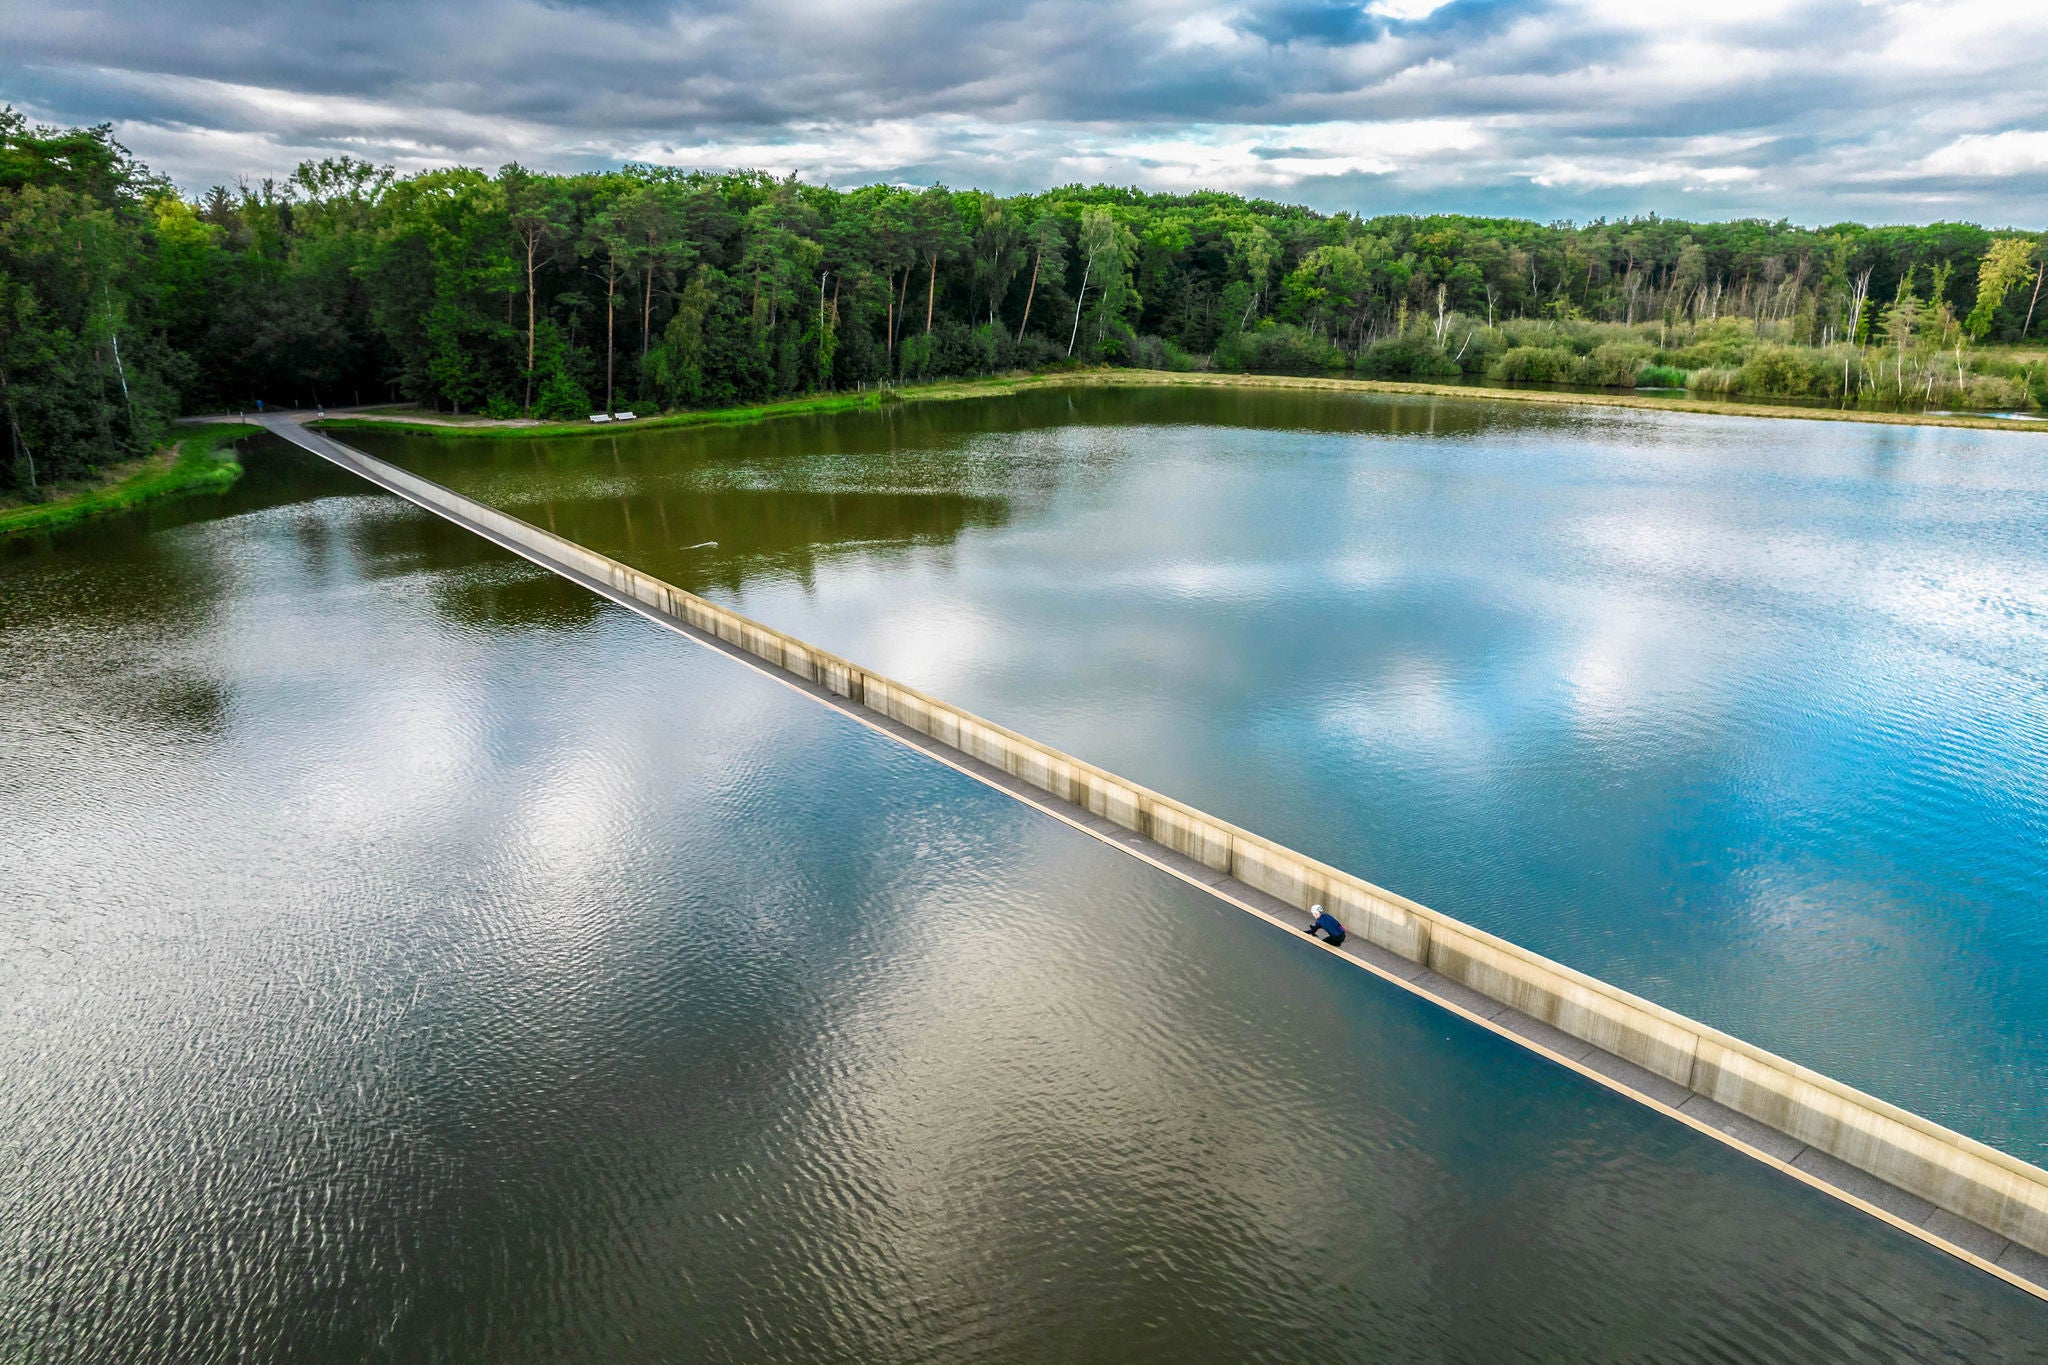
{"x":195,"y":463}
{"x":441,"y":424}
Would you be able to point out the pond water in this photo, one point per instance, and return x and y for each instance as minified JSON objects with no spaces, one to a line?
{"x":406,"y":956}
{"x":1749,"y":717}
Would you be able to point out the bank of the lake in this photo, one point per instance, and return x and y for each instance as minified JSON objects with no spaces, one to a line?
{"x":201,"y":461}
{"x":819,"y":405}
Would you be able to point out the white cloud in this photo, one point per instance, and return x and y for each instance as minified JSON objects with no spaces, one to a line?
{"x":1204,"y":30}
{"x":1407,"y":11}
{"x":1812,"y":108}
{"x":1561,"y":172}
{"x":1274,"y":157}
{"x":2018,"y":152}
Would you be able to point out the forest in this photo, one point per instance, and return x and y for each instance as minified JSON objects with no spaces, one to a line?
{"x":124,"y":303}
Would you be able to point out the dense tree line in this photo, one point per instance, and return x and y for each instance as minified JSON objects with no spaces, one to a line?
{"x":122,"y":302}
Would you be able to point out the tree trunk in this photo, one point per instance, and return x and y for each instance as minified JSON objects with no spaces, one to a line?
{"x":122,"y":371}
{"x":532,"y":249}
{"x":647,"y":314}
{"x":2038,"y":272}
{"x":902,"y":296}
{"x":889,"y":317}
{"x":1086,"y":271}
{"x":931,"y":293}
{"x":1029,"y":294}
{"x":611,"y":295}
{"x":16,"y":439}
{"x":21,"y":443}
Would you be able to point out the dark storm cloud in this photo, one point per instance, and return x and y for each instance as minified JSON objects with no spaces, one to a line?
{"x":1810,"y":108}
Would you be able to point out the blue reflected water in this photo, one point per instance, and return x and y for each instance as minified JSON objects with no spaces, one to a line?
{"x":1750,"y":717}
{"x":406,"y":957}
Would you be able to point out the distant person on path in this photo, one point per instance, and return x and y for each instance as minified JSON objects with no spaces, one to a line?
{"x":1324,"y":923}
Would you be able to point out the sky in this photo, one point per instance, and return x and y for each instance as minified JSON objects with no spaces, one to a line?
{"x":1814,"y":110}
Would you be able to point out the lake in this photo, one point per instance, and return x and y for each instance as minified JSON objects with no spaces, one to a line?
{"x":406,"y":955}
{"x":1749,"y":717}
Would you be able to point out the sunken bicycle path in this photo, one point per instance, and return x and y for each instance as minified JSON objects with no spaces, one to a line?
{"x":2008,"y":1238}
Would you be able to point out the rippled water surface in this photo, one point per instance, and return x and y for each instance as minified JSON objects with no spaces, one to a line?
{"x":1750,"y":717}
{"x":404,"y":956}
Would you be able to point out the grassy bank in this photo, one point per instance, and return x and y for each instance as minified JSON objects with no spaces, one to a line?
{"x":812,"y":405}
{"x":1105,"y":377}
{"x":199,"y":462}
{"x":1556,"y":398}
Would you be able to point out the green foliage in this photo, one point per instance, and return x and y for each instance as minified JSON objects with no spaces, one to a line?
{"x":1613,"y":365}
{"x":1159,"y":353}
{"x":1282,"y":348}
{"x":205,"y":462}
{"x":122,"y":302}
{"x":1660,"y":377}
{"x":86,"y":376}
{"x":2008,"y":262}
{"x":561,"y":397}
{"x":1782,"y":372}
{"x":1407,"y":357}
{"x":1534,"y":365}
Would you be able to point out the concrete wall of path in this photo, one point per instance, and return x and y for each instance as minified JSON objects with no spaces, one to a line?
{"x":1975,"y":1182}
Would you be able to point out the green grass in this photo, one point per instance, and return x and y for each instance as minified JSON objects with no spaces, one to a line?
{"x":794,"y":407}
{"x":1109,"y":377}
{"x":1660,"y":377}
{"x":201,"y":462}
{"x":813,"y":405}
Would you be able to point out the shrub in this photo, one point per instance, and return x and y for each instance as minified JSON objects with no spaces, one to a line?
{"x":1409,"y":357}
{"x":1573,"y":338}
{"x":1995,"y":391}
{"x":1660,"y":377}
{"x":1613,"y":365}
{"x":1478,"y":350}
{"x":914,"y":356}
{"x":1158,"y":353}
{"x":994,"y":348}
{"x":562,"y":399}
{"x":1711,"y":380}
{"x":1038,"y":352}
{"x":1781,"y":372}
{"x":1717,"y":345}
{"x":1282,"y":348}
{"x":1116,"y":344}
{"x":1533,"y":365}
{"x":1773,"y":372}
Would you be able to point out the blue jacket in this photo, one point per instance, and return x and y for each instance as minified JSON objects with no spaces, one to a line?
{"x":1327,"y":922}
